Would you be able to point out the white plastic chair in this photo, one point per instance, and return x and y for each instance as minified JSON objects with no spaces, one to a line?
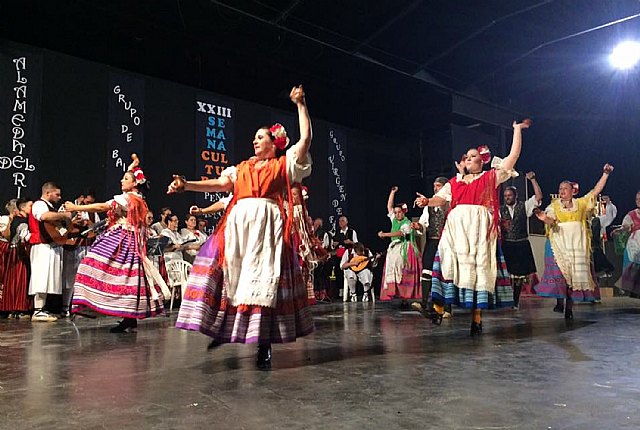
{"x":346,"y":295}
{"x":178,"y":272}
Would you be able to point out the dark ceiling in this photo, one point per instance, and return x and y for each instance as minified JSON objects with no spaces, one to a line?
{"x":367,"y":64}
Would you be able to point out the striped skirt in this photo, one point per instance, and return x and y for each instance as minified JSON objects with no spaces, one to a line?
{"x":206,"y":308}
{"x":15,"y":281}
{"x":630,"y":280}
{"x":401,"y":279}
{"x":111,"y":279}
{"x":554,"y":285}
{"x":445,"y":292}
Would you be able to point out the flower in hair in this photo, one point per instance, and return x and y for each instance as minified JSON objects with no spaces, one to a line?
{"x":280,"y":139}
{"x":404,"y":208}
{"x":138,"y":175}
{"x":575,"y":188}
{"x":485,"y":154}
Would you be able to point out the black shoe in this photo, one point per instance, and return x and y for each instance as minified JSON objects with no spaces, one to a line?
{"x":559,"y":309}
{"x":213,"y":345}
{"x":264,"y":357}
{"x":436,"y":318}
{"x":476,"y":328}
{"x":568,"y":314}
{"x":124,"y":326}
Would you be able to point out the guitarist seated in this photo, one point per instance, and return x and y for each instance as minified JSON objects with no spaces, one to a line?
{"x":357,"y":263}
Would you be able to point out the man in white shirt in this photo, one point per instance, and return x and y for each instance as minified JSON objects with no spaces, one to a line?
{"x":353,"y":273}
{"x":608,"y":214}
{"x":45,"y":256}
{"x":514,"y":217}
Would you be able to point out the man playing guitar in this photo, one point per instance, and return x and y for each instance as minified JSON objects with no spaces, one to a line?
{"x":45,"y":256}
{"x":357,"y":263}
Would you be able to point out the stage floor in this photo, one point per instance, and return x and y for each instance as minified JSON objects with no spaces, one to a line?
{"x":366,"y":366}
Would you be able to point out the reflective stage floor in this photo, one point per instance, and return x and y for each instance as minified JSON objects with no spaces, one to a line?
{"x":366,"y":366}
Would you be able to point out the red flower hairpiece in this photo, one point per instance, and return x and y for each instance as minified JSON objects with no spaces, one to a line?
{"x":404,"y":208}
{"x":575,"y":187}
{"x":138,"y":174}
{"x":280,"y":139}
{"x":305,"y":192}
{"x":485,"y":154}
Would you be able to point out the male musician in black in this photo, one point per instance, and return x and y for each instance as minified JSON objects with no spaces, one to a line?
{"x":514,"y":215}
{"x":320,"y":272}
{"x":343,"y":239}
{"x":430,"y":224}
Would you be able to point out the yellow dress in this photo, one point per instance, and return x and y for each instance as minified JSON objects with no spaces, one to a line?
{"x":568,"y":252}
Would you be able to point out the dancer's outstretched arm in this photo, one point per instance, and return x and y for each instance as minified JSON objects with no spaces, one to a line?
{"x":510,"y":160}
{"x":304,"y":121}
{"x":606,"y":171}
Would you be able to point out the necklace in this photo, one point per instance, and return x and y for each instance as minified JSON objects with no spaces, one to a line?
{"x":566,"y":203}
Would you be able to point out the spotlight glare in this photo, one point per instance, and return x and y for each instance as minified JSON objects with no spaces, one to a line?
{"x":626,"y":55}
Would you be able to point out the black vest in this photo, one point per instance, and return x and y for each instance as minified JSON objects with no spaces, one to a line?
{"x":514,"y":228}
{"x":319,"y":233}
{"x":436,"y":222}
{"x":340,"y":238}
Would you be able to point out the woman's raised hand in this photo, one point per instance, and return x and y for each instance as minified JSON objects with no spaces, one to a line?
{"x":524,"y":124}
{"x":177,"y":185}
{"x":297,"y":94}
{"x":608,"y":168}
{"x":195,"y":210}
{"x":394,"y":189}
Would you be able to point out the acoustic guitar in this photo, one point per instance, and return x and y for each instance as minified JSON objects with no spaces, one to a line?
{"x":363,"y":261}
{"x":64,"y":233}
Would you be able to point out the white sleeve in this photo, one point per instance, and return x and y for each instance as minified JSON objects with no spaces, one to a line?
{"x":530,"y":204}
{"x":231,"y":172}
{"x":23,"y":232}
{"x":550,"y":212}
{"x":38,"y":209}
{"x":120,"y":199}
{"x":225,"y":200}
{"x":391,"y":216}
{"x":627,"y":221}
{"x":405,"y":228}
{"x":295,"y":170}
{"x":609,"y":216}
{"x":325,"y":241}
{"x":4,"y":222}
{"x":501,"y":174}
{"x":445,"y":192}
{"x":344,"y":259}
{"x":355,"y":237}
{"x":424,"y":218}
{"x":168,"y":233}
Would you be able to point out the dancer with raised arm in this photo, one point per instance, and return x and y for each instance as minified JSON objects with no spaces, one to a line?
{"x":246,"y":285}
{"x":116,"y":277}
{"x":403,"y":265}
{"x":630,"y":280}
{"x":568,"y":269}
{"x":514,"y":216}
{"x":469,"y":270}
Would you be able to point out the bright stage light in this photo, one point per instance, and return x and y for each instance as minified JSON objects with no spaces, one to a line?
{"x":626,"y":55}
